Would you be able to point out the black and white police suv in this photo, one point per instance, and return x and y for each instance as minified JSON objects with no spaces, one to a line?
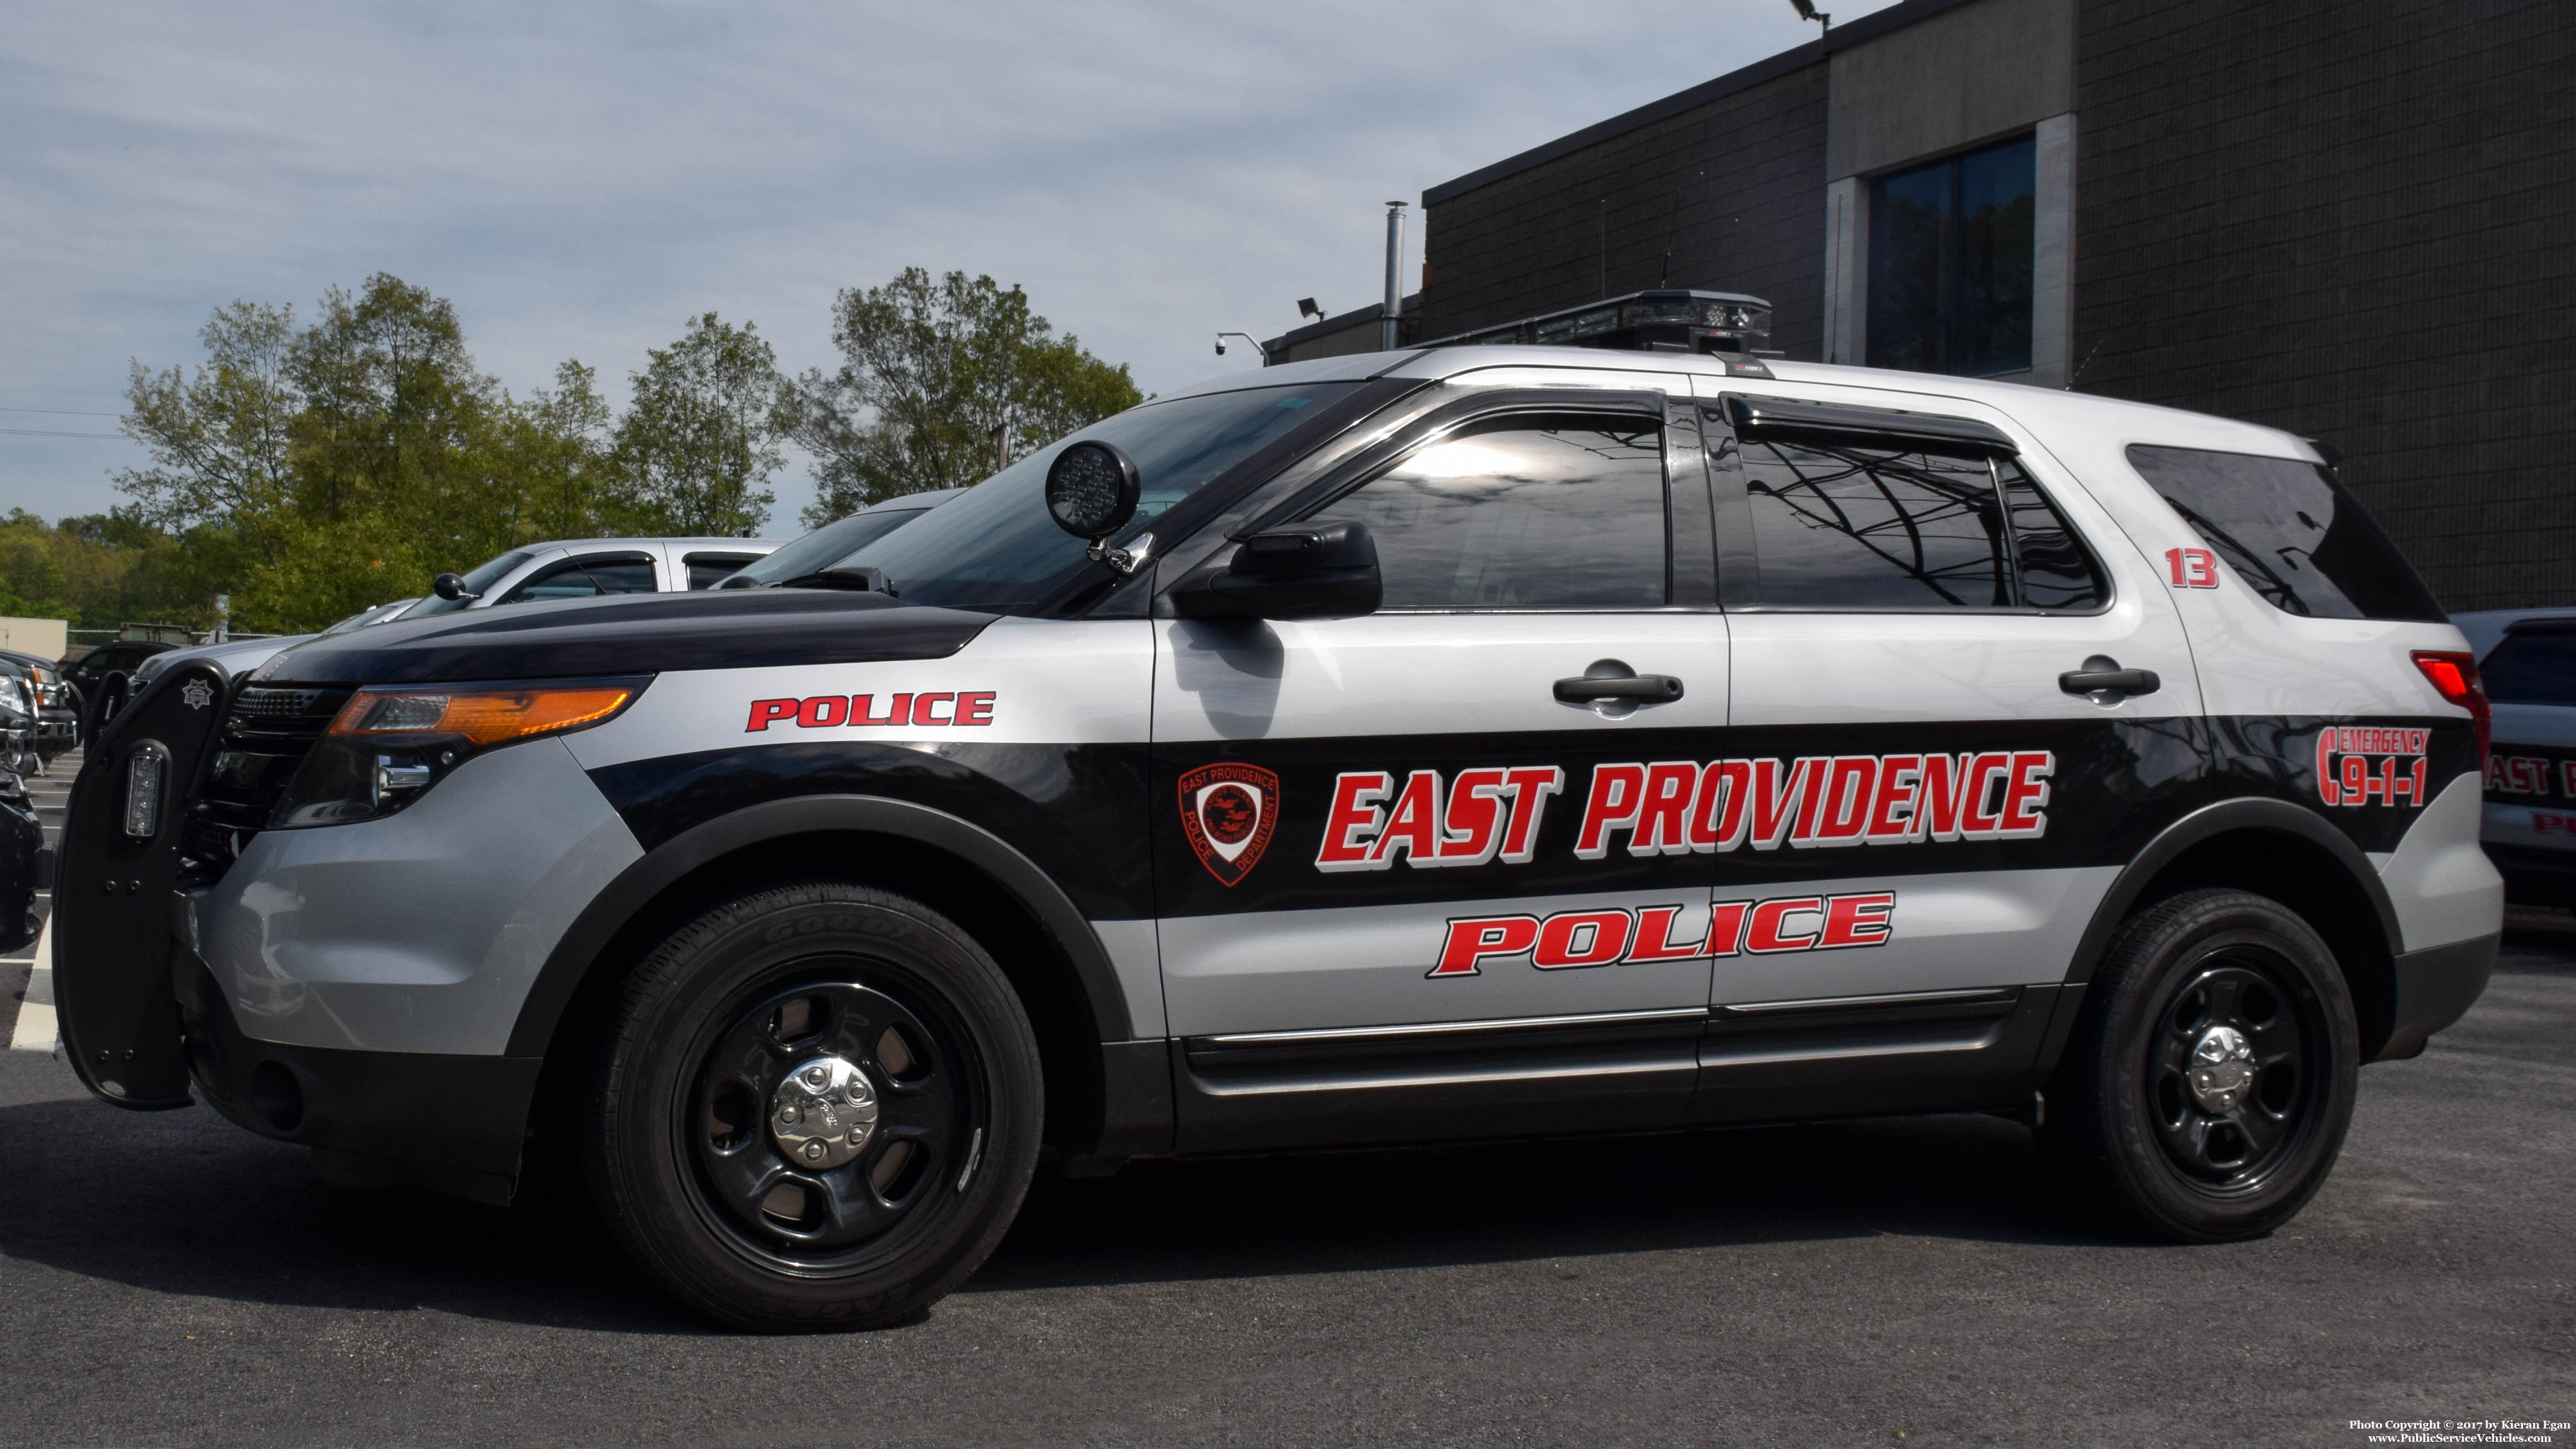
{"x":1472,"y":742}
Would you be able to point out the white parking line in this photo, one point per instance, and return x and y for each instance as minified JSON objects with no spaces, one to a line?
{"x":37,"y":1029}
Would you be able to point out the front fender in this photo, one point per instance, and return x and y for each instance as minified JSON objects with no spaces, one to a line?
{"x":676,"y":858}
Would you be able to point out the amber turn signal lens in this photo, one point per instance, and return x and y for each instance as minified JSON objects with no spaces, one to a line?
{"x":485,"y":716}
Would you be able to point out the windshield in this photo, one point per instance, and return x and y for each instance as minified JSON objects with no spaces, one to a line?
{"x":997,"y":547}
{"x":480,"y":581}
{"x":823,"y":547}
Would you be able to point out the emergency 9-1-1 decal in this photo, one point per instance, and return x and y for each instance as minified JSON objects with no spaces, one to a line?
{"x":2363,"y":765}
{"x":1682,"y":807}
{"x":1615,"y":937}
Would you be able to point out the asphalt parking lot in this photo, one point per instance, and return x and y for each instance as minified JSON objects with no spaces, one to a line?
{"x":167,"y":1278}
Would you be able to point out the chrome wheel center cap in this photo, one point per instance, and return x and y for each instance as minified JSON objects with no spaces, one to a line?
{"x":821,"y":1115}
{"x":2222,"y":1067}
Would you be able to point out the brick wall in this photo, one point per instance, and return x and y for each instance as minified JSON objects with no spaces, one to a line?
{"x":1534,"y":241}
{"x":2350,"y":218}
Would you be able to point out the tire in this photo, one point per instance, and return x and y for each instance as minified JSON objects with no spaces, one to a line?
{"x":874,"y":1018}
{"x":2144,"y":1125}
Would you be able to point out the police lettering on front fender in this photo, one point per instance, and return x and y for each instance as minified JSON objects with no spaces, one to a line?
{"x":928,"y":709}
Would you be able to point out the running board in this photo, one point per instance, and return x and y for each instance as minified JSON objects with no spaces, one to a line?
{"x":1772,"y":1060}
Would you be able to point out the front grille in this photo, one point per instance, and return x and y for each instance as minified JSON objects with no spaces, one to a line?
{"x":267,"y":734}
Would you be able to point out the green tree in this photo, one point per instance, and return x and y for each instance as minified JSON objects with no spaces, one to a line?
{"x":698,"y":445}
{"x":553,"y":468}
{"x":220,"y":438}
{"x":929,"y":369}
{"x":98,"y":572}
{"x":393,"y":407}
{"x":310,"y":472}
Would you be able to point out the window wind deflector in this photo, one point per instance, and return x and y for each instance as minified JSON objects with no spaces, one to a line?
{"x":1851,"y":424}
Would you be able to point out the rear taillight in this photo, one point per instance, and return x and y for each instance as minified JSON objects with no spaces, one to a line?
{"x":2455,"y":678}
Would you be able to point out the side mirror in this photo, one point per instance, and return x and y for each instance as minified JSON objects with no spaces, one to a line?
{"x":451,"y":588}
{"x":1092,"y":489}
{"x":1305,"y":571}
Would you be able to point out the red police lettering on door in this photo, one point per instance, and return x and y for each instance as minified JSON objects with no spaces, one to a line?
{"x":1616,"y":936}
{"x":931,"y":709}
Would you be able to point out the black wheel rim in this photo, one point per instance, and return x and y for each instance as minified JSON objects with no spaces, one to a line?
{"x":927,"y":1086}
{"x":2244,"y":1009}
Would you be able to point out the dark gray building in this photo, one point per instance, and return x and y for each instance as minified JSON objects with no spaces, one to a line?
{"x":2348,"y":218}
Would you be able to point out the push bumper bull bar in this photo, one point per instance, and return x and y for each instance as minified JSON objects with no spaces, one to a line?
{"x":143,"y":1019}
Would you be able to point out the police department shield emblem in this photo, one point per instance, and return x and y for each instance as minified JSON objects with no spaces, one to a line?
{"x":197,"y":693}
{"x":1229,"y":813}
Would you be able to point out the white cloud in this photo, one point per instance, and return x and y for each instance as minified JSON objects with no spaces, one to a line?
{"x":579,"y":179}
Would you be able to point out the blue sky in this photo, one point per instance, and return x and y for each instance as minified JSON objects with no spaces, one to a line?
{"x":579,"y":179}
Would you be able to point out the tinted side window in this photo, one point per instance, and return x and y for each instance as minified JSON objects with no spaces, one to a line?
{"x":1841,"y":527}
{"x":706,"y":570}
{"x":585,"y":579}
{"x":2290,"y":532}
{"x":2055,"y":571}
{"x":1523,"y":512}
{"x":2535,"y":668}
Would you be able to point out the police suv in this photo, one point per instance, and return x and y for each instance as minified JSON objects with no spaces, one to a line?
{"x":1471,"y":742}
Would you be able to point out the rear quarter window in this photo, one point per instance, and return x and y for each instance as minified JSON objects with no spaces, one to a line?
{"x":2289,"y":532}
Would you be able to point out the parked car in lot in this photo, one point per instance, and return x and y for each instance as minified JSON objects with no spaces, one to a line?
{"x":103,"y":676}
{"x":58,"y":705}
{"x":121,"y":656}
{"x":2528,"y":659}
{"x":20,"y":720}
{"x":22,"y":836}
{"x":1482,"y":742}
{"x":587,"y":568}
{"x":807,"y":559}
{"x":238,"y":657}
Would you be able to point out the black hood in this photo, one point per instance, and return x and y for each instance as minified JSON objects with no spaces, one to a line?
{"x":635,"y":634}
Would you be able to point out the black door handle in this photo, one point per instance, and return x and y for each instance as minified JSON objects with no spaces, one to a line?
{"x":2102,"y":674}
{"x":1643,"y":688}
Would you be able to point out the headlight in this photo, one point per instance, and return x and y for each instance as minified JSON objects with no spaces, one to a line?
{"x":390,"y":743}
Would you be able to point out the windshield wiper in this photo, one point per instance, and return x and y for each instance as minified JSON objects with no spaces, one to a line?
{"x":861,"y":579}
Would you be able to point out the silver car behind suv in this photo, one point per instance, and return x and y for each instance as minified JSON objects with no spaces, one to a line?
{"x":587,"y":568}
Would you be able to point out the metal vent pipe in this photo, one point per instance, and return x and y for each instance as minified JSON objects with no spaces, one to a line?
{"x":1387,"y":319}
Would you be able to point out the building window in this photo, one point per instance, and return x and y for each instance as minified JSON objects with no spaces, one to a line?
{"x":1950,"y":263}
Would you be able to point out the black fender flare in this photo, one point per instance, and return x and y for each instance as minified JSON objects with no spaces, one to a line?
{"x":666,"y":864}
{"x":2227,"y":817}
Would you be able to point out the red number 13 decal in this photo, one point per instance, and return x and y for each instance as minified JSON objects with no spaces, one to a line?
{"x":2193,"y":568}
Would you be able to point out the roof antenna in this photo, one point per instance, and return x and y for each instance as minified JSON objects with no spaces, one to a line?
{"x":1672,"y":227}
{"x":1807,"y":11}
